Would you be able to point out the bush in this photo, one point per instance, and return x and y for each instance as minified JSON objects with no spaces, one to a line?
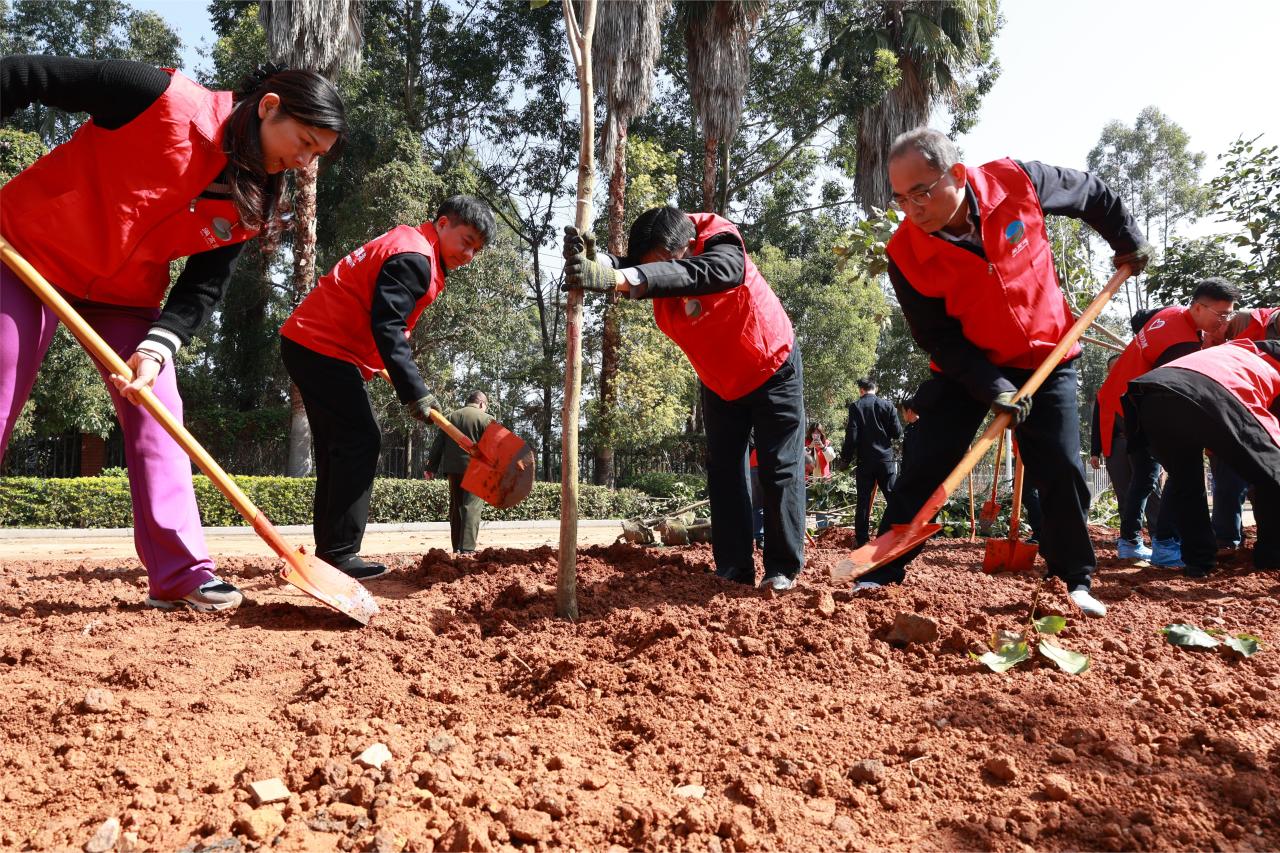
{"x":681,"y":488}
{"x":106,"y":502}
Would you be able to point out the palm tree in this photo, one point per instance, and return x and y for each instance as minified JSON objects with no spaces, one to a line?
{"x":717,"y":37}
{"x":625,"y":49}
{"x":324,"y":36}
{"x":937,"y":43}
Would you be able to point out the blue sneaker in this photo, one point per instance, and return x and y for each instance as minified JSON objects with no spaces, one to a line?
{"x":1167,"y":553}
{"x":1129,"y":549}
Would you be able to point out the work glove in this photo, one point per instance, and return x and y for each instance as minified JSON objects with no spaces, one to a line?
{"x":576,"y":243}
{"x":1136,"y":260}
{"x":1004,"y":404}
{"x":419,"y":409}
{"x":582,"y":273}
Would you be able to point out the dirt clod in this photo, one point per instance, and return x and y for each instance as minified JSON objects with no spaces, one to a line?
{"x":912,"y":628}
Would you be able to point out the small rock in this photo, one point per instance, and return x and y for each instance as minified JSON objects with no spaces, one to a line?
{"x":441,"y":744}
{"x":386,"y":841}
{"x":347,"y":812}
{"x":1244,"y":788}
{"x":1057,"y":787}
{"x":465,"y":835}
{"x":824,"y":603}
{"x":98,"y":700}
{"x":374,"y":756}
{"x":261,"y":824}
{"x":752,"y":645}
{"x":1111,"y":644}
{"x":106,"y":835}
{"x":129,"y":842}
{"x":821,"y":810}
{"x":267,"y":791}
{"x":1061,"y":755}
{"x":595,"y":781}
{"x":870,"y":771}
{"x":1002,"y":767}
{"x":696,"y":792}
{"x":526,"y":825}
{"x":844,"y":824}
{"x":912,"y":628}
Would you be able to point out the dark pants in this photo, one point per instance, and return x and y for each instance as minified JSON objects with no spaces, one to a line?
{"x":1049,"y":441}
{"x":1179,"y":430}
{"x":757,"y":507}
{"x":464,"y":515}
{"x":869,"y":474}
{"x":1032,"y":511}
{"x":1229,"y":489}
{"x":346,"y":440}
{"x":776,"y":411}
{"x":1144,"y":481}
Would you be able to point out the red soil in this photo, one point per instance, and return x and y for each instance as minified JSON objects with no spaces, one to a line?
{"x":511,"y":729}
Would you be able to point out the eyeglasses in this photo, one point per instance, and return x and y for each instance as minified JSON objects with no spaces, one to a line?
{"x":920,"y":197}
{"x":1221,"y":315}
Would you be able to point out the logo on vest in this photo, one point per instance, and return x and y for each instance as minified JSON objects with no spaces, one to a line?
{"x":222,"y":228}
{"x":1156,"y":324}
{"x":692,"y":308}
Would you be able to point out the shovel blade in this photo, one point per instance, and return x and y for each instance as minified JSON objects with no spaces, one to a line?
{"x":325,"y":583}
{"x":1005,"y":555}
{"x":900,"y":539}
{"x":501,"y":469}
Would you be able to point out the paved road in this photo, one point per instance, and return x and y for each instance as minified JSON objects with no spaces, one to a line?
{"x":32,"y":544}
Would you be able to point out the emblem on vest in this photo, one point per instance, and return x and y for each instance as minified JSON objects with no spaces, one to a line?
{"x":1016,"y":233}
{"x":692,"y":308}
{"x":222,"y":228}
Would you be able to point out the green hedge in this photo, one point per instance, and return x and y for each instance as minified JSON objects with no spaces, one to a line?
{"x":105,"y":501}
{"x":664,"y":484}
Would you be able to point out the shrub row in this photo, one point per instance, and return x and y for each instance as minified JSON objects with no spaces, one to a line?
{"x":105,"y":501}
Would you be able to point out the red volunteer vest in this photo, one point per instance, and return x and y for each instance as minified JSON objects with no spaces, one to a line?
{"x":735,"y":339}
{"x":1009,"y":305}
{"x":103,"y":214}
{"x":1167,"y":327}
{"x":335,"y":317}
{"x":1259,"y":319}
{"x":1251,"y":376}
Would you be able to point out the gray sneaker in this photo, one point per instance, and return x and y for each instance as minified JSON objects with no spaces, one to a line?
{"x":212,"y":595}
{"x":777,"y":583}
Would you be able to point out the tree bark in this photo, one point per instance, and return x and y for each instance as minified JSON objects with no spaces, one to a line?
{"x":304,"y":277}
{"x":709,"y":150}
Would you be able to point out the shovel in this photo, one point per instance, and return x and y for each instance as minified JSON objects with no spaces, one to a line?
{"x":973,"y":527}
{"x":991,"y":509}
{"x":904,"y":537}
{"x":1011,"y":554}
{"x":309,"y":574}
{"x":500,"y":472}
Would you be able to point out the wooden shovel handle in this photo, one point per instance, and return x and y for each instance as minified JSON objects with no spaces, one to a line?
{"x":1015,"y":516}
{"x":995,"y":475}
{"x":468,"y":446}
{"x":1000,"y":422}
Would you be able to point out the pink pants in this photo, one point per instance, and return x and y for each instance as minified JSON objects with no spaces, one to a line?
{"x":166,"y":522}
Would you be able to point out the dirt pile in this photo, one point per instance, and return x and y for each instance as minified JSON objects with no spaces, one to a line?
{"x":679,"y":713}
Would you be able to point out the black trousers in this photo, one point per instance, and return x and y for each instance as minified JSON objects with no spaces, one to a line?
{"x":1178,"y":431}
{"x":346,"y":439}
{"x":464,"y":515}
{"x":1049,"y":441}
{"x":776,"y":412}
{"x":873,"y":472}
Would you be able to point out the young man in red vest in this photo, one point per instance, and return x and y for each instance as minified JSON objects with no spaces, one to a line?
{"x":973,"y":271}
{"x":1168,"y":334}
{"x":1259,"y":324}
{"x":1224,"y":399}
{"x":711,"y":300}
{"x":355,"y":322}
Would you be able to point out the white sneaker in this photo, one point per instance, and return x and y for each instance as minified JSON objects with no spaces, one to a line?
{"x":1088,"y":605}
{"x":867,"y":585}
{"x":778,"y":583}
{"x":212,"y":595}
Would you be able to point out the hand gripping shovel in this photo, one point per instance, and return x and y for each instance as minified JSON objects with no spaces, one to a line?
{"x":313,"y":576}
{"x":991,"y":509}
{"x":903,"y":537}
{"x":1011,"y":554}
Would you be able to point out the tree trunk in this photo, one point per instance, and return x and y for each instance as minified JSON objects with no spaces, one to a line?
{"x":611,"y":338}
{"x":709,"y":150}
{"x":723,"y":204}
{"x":304,"y":276}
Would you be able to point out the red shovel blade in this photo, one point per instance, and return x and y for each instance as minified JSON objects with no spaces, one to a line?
{"x":900,"y":539}
{"x":501,"y":468}
{"x":1008,"y":555}
{"x":325,"y":583}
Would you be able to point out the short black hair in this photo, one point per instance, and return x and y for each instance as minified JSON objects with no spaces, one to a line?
{"x":1137,"y":321}
{"x":469,"y":210}
{"x":658,"y":228}
{"x":866,"y":384}
{"x":1217,"y":289}
{"x":476,"y":397}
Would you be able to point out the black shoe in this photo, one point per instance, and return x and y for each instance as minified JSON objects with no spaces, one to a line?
{"x":1197,"y":572}
{"x":354,"y":566}
{"x":737,"y":577}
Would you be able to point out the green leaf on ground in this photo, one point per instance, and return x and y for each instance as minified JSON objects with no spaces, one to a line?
{"x":1246,"y":645}
{"x":1188,"y":636}
{"x":1004,"y":658}
{"x":1067,"y":660}
{"x":1050,"y":624}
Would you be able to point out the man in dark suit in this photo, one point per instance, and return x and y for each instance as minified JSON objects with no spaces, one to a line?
{"x":872,"y":427}
{"x":446,"y":457}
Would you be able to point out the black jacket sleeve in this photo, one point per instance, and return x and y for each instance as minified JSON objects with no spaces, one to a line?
{"x":849,"y":447}
{"x":1095,"y":430}
{"x":1080,"y":195}
{"x":720,"y":267}
{"x":198,"y":289}
{"x":402,"y":281}
{"x":114,"y":92}
{"x":892,"y":426}
{"x":942,"y":336}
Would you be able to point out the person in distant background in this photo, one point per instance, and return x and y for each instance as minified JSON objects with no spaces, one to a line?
{"x":869,"y":434}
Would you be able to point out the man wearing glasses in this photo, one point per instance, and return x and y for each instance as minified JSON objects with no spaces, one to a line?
{"x":1169,"y":334}
{"x":973,"y":270}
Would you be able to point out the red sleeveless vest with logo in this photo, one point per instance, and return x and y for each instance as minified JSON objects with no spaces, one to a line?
{"x":1259,"y":319}
{"x":335,"y":319}
{"x":103,"y":214}
{"x":735,"y":339}
{"x":1251,"y":376}
{"x":1009,"y":305}
{"x":1167,"y":327}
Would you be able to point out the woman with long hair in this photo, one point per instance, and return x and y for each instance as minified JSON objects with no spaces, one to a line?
{"x":164,"y":169}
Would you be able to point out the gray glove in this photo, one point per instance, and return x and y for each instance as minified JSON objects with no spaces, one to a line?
{"x":419,"y":409}
{"x":582,"y":273}
{"x":1136,"y":260}
{"x":1004,"y":404}
{"x":576,"y":243}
